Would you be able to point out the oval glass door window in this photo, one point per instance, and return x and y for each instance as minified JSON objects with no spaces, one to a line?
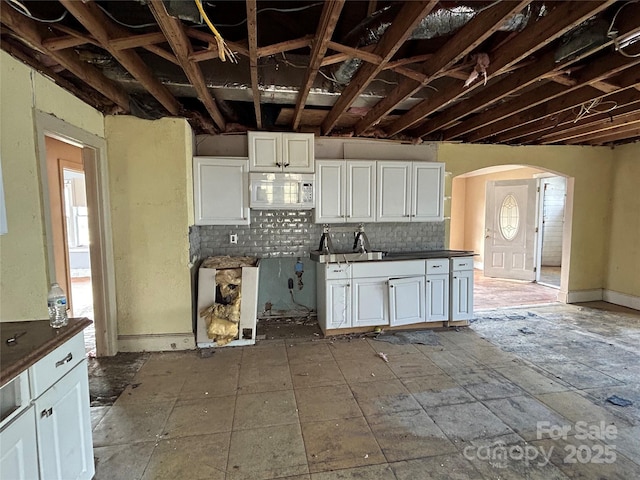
{"x":509,"y":217}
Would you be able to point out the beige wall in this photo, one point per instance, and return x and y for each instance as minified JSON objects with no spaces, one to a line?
{"x":23,"y":253}
{"x":468,"y":207}
{"x":150,"y":190}
{"x":592,"y":168}
{"x":623,"y":267}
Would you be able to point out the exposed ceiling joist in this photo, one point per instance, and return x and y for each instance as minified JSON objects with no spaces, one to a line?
{"x":328,"y":20}
{"x":560,"y":20}
{"x":285,"y":46}
{"x":35,"y":34}
{"x":393,"y":38}
{"x":181,"y":46}
{"x":464,"y":41}
{"x":133,"y":41}
{"x":252,"y":29}
{"x":622,"y":133}
{"x":95,"y":21}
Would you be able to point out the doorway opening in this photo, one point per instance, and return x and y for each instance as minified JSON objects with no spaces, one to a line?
{"x":70,"y":230}
{"x":516,"y":230}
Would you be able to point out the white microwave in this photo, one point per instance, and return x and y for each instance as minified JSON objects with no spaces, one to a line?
{"x":282,"y":190}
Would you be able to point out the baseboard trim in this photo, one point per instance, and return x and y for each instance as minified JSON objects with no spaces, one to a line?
{"x":156,"y":342}
{"x":579,"y":296}
{"x":623,"y":299}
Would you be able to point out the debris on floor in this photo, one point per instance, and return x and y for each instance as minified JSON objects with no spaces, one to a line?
{"x":383,"y":356}
{"x":223,"y":316}
{"x":422,"y":337}
{"x":109,"y":376}
{"x":526,"y":331}
{"x":619,"y":401}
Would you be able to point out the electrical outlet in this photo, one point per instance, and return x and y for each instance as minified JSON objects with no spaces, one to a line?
{"x":233,"y":238}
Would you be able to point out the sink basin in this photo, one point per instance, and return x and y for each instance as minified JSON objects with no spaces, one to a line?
{"x":320,"y":257}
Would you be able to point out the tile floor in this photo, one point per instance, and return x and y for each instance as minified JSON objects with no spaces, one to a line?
{"x":327,"y":409}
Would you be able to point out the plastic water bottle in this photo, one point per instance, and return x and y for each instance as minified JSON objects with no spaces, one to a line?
{"x":57,"y":302}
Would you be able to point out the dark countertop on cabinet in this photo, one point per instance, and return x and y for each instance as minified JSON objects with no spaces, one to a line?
{"x":427,"y":254}
{"x":38,"y":340}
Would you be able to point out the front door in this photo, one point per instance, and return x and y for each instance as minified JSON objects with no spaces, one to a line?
{"x":510,"y":226}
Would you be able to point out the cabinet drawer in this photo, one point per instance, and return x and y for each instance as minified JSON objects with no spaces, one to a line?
{"x":392,"y":269}
{"x":438,"y":265}
{"x":463,"y":263}
{"x":338,"y":272}
{"x":56,"y":364}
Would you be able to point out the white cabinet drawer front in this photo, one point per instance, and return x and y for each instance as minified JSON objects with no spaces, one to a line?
{"x":463,"y":263}
{"x":388,"y":269}
{"x":338,"y":272}
{"x":438,"y":265}
{"x":55,"y":365}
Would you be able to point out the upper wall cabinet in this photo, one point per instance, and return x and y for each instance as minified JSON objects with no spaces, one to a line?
{"x":221,"y":191}
{"x":410,"y":191}
{"x":345,"y":191}
{"x":281,"y":152}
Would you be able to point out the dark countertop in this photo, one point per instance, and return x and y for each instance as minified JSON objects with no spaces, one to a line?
{"x":426,"y":254}
{"x":39,"y":340}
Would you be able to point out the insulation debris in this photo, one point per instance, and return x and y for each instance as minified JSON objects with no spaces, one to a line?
{"x":482,"y":63}
{"x":221,"y":262}
{"x":222,"y":318}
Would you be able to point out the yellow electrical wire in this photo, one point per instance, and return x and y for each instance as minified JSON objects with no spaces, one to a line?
{"x":222,"y":46}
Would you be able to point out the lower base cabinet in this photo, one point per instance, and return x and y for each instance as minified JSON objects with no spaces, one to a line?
{"x":337,"y":303}
{"x":64,"y":428}
{"x":406,"y":301}
{"x":437,"y":298}
{"x":462,"y":295}
{"x":18,"y":450}
{"x":370,"y":302}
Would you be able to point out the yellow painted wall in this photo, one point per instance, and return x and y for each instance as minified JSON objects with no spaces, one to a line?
{"x":458,"y":203}
{"x":149,"y":172}
{"x":592,"y":168}
{"x":23,"y":253}
{"x":623,"y":272}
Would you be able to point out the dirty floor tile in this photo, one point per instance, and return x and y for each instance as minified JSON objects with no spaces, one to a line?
{"x":326,"y":403}
{"x":384,"y":397}
{"x":443,"y":467}
{"x":372,"y":472}
{"x":199,"y":417}
{"x":132,"y":423}
{"x":126,"y":461}
{"x":468,"y":421}
{"x":265,"y":409}
{"x":436,"y":390}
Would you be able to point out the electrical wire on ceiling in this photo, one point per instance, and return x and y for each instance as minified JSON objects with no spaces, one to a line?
{"x":271,"y":9}
{"x":223,"y":48}
{"x":20,"y":7}
{"x":128,"y":25}
{"x":594,"y":106}
{"x":612,"y":33}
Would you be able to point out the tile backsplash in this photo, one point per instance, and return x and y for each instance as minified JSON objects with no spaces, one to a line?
{"x":292,"y":233}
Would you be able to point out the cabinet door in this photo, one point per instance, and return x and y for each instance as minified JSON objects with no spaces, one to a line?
{"x":406,"y":300}
{"x":330,"y":198}
{"x":394,"y":191}
{"x":361,"y":191}
{"x":220,"y":191}
{"x":338,"y":306}
{"x":18,"y":451}
{"x":298,"y":152}
{"x":462,"y":295}
{"x":427,"y":197}
{"x":370,"y":302}
{"x":63,"y":426}
{"x":437,"y":298}
{"x":265,"y":151}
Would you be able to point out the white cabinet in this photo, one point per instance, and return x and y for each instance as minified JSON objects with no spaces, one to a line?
{"x":278,"y":152}
{"x":346,"y":191}
{"x":370,"y":302}
{"x":221,"y":191}
{"x":462,"y":288}
{"x":64,"y":428}
{"x":437,"y":289}
{"x":18,"y":450}
{"x":410,"y":191}
{"x":406,"y":300}
{"x":338,"y":303}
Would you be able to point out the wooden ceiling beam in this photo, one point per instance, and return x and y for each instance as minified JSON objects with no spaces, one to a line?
{"x":556,"y":126}
{"x":409,"y":60}
{"x":176,"y":36}
{"x":622,"y":133}
{"x":326,"y":26}
{"x":252,"y":29}
{"x":133,"y":41}
{"x":595,"y":72}
{"x":564,"y":17}
{"x":365,"y":54}
{"x":403,"y":24}
{"x":236,"y":47}
{"x":60,"y":43}
{"x":35,"y":34}
{"x":546,"y":65}
{"x":573,"y":99}
{"x":411,"y":73}
{"x":103,"y":29}
{"x":161,"y":52}
{"x":285,"y":46}
{"x":464,"y":41}
{"x":602,"y":127}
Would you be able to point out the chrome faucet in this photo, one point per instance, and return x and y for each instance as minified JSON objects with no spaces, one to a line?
{"x":361,"y":242}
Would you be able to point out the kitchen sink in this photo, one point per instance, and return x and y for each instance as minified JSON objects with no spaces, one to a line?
{"x":339,"y":257}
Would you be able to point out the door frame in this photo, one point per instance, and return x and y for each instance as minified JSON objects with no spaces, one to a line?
{"x":94,"y":154}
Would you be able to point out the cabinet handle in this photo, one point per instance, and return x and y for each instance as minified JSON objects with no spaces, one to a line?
{"x":428,"y":281}
{"x":436,"y":266}
{"x":286,"y":165}
{"x":278,"y":164}
{"x":462,"y":264}
{"x":47,"y":412}
{"x":455,"y":278}
{"x":66,"y":359}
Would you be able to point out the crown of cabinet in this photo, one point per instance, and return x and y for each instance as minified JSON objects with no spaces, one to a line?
{"x":281,"y":152}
